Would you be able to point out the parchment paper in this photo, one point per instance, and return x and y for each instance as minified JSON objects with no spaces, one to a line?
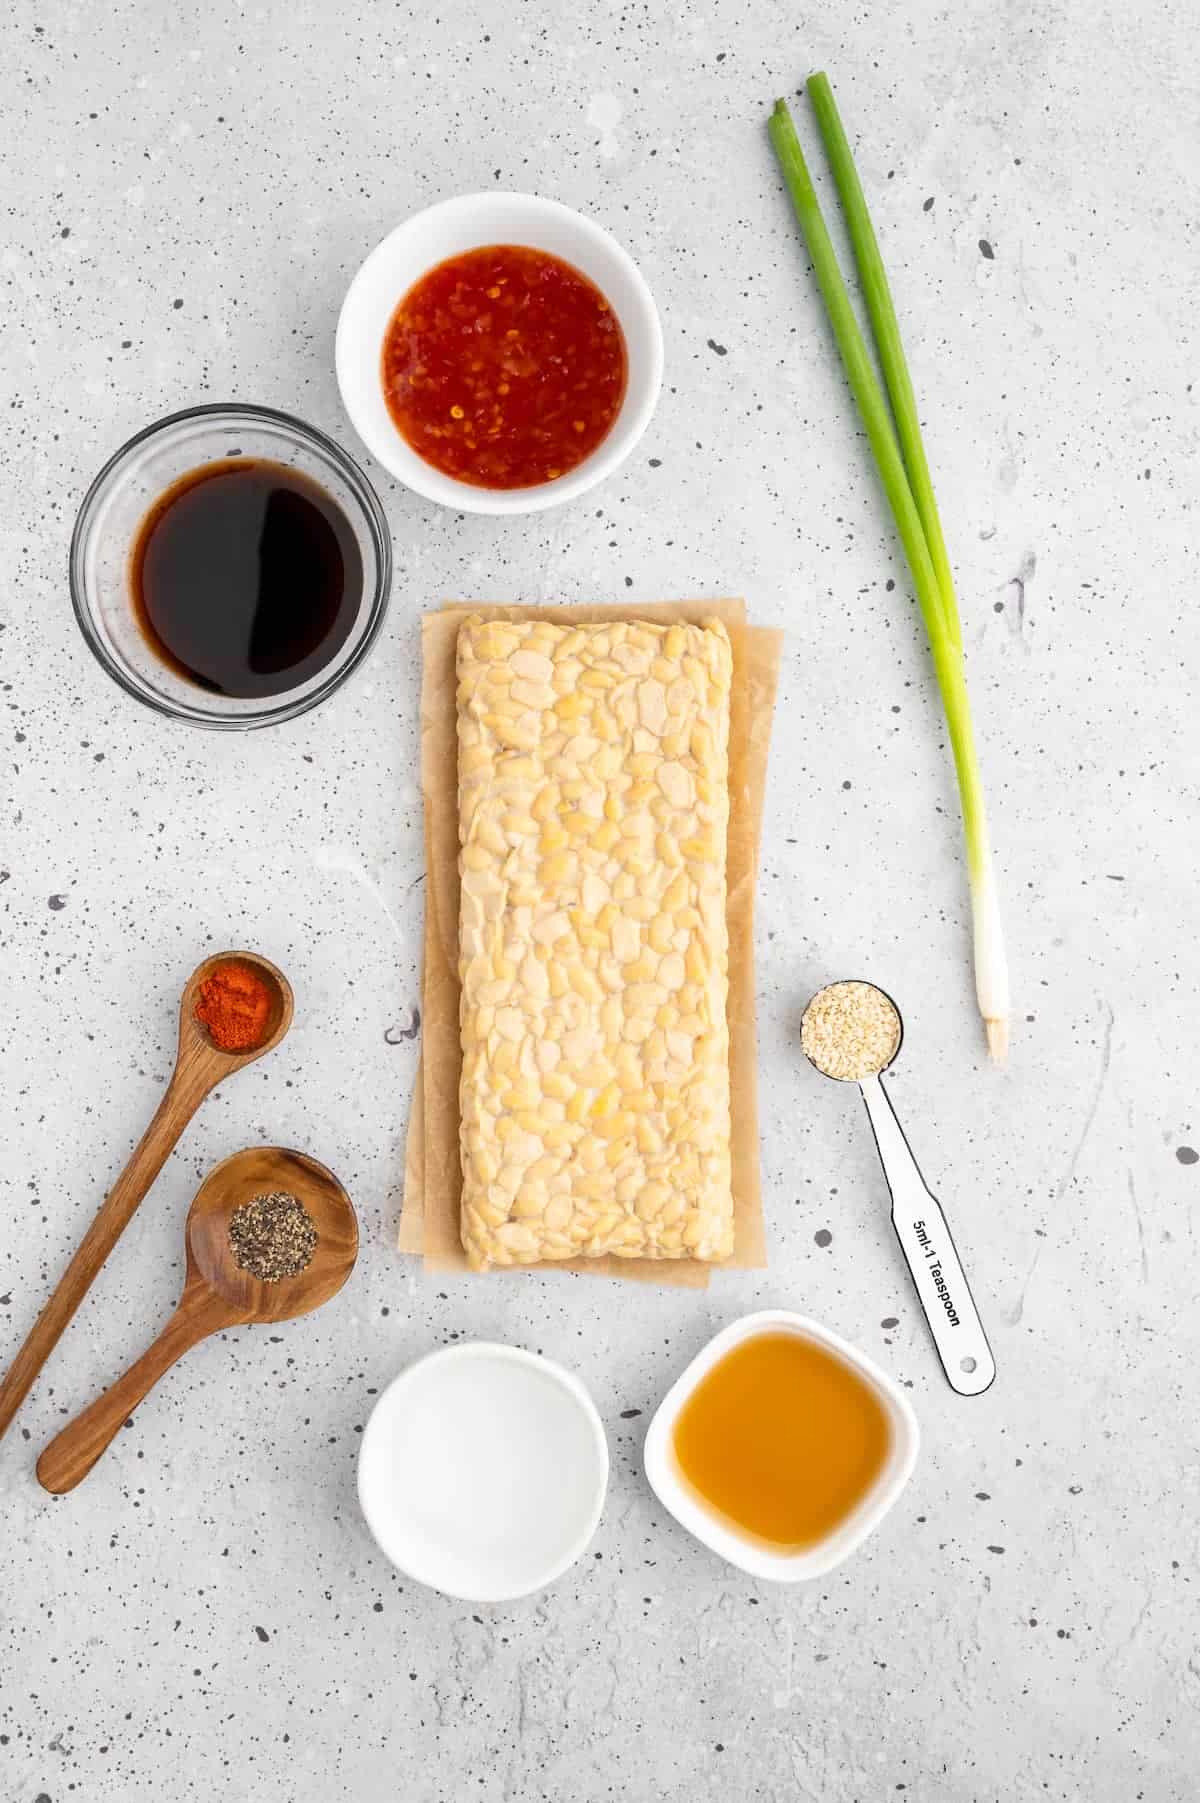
{"x":432,"y":1173}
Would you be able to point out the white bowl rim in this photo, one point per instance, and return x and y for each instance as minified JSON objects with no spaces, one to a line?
{"x":737,"y":1549}
{"x":567,"y":1381}
{"x":406,"y":464}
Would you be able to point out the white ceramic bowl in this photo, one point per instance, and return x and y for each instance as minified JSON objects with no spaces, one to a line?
{"x":749,"y":1554}
{"x":445,"y":230}
{"x":483,"y":1471}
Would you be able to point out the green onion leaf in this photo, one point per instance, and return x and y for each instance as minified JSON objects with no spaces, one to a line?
{"x":886,"y":331}
{"x":900,"y":459}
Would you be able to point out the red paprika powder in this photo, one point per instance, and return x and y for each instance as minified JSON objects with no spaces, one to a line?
{"x":235,"y":1005}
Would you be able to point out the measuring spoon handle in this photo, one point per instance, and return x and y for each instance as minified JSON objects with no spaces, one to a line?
{"x":929,"y":1251}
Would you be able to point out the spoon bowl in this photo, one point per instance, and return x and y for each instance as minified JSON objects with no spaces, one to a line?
{"x":857,"y":983}
{"x":195,"y":1038}
{"x":217,"y":1293}
{"x":256,"y":1172}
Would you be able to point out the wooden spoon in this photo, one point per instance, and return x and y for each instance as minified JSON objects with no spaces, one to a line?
{"x":199,"y":1066}
{"x":217,"y":1293}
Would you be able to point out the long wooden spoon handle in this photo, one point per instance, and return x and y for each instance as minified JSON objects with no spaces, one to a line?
{"x":72,"y":1453}
{"x":151,"y":1153}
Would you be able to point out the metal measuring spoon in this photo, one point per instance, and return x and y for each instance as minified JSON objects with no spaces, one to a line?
{"x":920,"y":1225}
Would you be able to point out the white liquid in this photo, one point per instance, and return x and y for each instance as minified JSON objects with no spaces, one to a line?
{"x":481,"y":1473}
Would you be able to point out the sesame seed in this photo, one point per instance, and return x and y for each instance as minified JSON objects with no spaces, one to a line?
{"x":850,"y":1031}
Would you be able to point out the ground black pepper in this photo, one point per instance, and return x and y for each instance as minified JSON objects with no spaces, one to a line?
{"x":272,"y":1236}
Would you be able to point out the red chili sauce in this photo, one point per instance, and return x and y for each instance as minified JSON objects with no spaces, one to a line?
{"x":504,"y":367}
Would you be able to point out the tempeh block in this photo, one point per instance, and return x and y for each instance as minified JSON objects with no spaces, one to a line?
{"x":593,"y":948}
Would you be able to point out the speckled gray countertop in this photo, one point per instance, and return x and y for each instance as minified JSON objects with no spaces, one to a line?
{"x":185,"y":193}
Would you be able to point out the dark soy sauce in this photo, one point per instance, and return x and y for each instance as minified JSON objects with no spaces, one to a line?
{"x":247,"y":578}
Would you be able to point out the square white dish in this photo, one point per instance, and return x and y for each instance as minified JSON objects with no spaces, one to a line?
{"x":720,"y":1535}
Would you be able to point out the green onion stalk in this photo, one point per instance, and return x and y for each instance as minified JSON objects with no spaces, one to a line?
{"x":894,"y":435}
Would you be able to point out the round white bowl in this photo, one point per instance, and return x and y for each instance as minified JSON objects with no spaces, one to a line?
{"x":749,"y":1554}
{"x":446,"y":230}
{"x":483,"y":1471}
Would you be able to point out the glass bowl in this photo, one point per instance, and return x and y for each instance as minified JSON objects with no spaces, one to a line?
{"x":117,"y":503}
